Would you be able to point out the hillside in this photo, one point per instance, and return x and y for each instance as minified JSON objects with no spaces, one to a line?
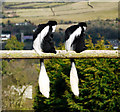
{"x":38,"y":12}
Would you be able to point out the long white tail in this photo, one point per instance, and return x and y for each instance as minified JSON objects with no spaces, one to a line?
{"x":44,"y":83}
{"x":74,"y":81}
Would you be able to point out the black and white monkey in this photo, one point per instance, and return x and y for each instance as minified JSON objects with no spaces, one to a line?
{"x":75,"y":41}
{"x":43,"y":42}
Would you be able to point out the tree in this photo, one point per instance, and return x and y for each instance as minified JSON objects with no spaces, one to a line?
{"x":14,"y":44}
{"x":9,"y":22}
{"x":3,"y":25}
{"x":17,"y":73}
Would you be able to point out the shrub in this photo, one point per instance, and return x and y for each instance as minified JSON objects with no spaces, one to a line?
{"x":14,"y":44}
{"x":98,"y":85}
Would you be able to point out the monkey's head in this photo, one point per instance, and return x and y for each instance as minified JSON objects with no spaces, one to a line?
{"x":83,"y":25}
{"x":52,"y":24}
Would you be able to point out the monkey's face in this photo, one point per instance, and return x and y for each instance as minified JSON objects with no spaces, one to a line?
{"x":84,"y":27}
{"x":53,"y":28}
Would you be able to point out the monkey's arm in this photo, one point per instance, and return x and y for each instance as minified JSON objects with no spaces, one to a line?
{"x":39,"y":39}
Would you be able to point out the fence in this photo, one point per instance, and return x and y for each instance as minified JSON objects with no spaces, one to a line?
{"x":63,"y":54}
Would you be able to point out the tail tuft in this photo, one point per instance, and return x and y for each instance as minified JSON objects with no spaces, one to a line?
{"x":74,"y":81}
{"x":44,"y":83}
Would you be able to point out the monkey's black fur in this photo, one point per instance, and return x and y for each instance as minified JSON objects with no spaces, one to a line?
{"x":79,"y":41}
{"x":47,"y":44}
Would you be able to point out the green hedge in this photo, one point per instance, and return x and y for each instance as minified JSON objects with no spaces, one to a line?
{"x":99,"y":86}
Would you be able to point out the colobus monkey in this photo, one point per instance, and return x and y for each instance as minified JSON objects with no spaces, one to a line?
{"x":43,"y":42}
{"x":75,"y":41}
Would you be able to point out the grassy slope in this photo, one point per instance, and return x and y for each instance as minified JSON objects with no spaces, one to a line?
{"x":69,"y":12}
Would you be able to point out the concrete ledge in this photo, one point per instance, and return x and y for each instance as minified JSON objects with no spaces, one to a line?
{"x":63,"y":54}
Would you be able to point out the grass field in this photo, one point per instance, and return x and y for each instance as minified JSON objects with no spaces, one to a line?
{"x":80,"y":11}
{"x":33,"y":4}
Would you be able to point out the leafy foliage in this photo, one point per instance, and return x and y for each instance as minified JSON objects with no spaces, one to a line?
{"x":98,"y":85}
{"x":17,"y":73}
{"x":14,"y":44}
